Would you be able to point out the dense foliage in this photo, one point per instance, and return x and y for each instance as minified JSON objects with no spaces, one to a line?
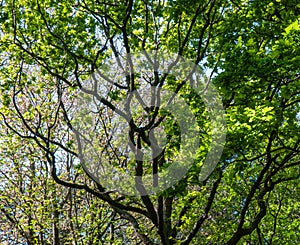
{"x":249,"y":52}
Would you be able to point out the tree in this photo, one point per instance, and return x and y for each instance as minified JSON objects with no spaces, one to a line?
{"x":248,"y":50}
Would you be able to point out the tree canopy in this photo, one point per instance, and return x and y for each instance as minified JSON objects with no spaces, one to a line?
{"x":68,"y":67}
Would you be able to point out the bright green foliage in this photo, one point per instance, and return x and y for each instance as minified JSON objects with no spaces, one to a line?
{"x":248,"y":49}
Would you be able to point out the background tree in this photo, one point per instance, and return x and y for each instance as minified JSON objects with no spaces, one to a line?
{"x":49,"y":48}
